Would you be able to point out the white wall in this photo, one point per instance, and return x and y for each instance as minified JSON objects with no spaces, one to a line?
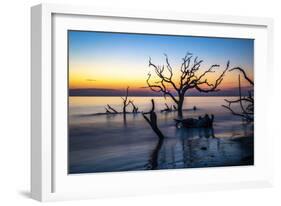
{"x":15,"y":95}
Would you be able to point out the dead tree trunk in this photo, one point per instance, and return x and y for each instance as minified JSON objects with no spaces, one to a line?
{"x":180,"y":105}
{"x":152,"y":120}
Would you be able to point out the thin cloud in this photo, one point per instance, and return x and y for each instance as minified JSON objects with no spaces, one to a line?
{"x":91,"y":80}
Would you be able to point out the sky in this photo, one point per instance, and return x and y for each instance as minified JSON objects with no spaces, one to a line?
{"x":105,"y":63}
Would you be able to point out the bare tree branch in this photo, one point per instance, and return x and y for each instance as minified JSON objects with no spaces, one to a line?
{"x":159,"y":70}
{"x":212,"y":87}
{"x":244,"y":73}
{"x":246,"y":103}
{"x":167,"y":109}
{"x":111,"y":109}
{"x":159,"y":88}
{"x":135,"y":109}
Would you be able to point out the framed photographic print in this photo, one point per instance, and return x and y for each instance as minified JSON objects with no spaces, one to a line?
{"x":134,"y":102}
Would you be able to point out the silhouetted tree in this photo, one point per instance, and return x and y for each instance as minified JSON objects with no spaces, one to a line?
{"x":189,"y":78}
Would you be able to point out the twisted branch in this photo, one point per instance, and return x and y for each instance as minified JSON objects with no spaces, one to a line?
{"x":248,"y":112}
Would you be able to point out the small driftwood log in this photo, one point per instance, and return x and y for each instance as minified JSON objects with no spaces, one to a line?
{"x":152,"y":120}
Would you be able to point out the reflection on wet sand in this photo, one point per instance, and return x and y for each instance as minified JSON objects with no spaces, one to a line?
{"x":200,"y":148}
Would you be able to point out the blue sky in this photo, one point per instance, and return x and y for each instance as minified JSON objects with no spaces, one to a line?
{"x":90,"y":52}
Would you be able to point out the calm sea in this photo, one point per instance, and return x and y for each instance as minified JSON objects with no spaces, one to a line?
{"x":108,"y":143}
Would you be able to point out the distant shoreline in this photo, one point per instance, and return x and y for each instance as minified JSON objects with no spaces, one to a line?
{"x":112,"y":93}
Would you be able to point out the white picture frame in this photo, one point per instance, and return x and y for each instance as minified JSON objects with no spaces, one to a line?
{"x":49,"y":180}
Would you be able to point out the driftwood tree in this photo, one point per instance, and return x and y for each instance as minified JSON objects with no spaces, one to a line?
{"x":110,"y":110}
{"x":246,"y":103}
{"x":152,"y":120}
{"x":190,"y":78}
{"x":126,"y":102}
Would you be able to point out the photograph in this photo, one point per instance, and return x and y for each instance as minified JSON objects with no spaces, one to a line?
{"x":140,"y":101}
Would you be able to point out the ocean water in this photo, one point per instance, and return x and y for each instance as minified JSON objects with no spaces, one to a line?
{"x":108,"y":143}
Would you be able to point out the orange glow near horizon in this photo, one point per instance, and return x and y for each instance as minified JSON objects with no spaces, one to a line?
{"x":120,"y":78}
